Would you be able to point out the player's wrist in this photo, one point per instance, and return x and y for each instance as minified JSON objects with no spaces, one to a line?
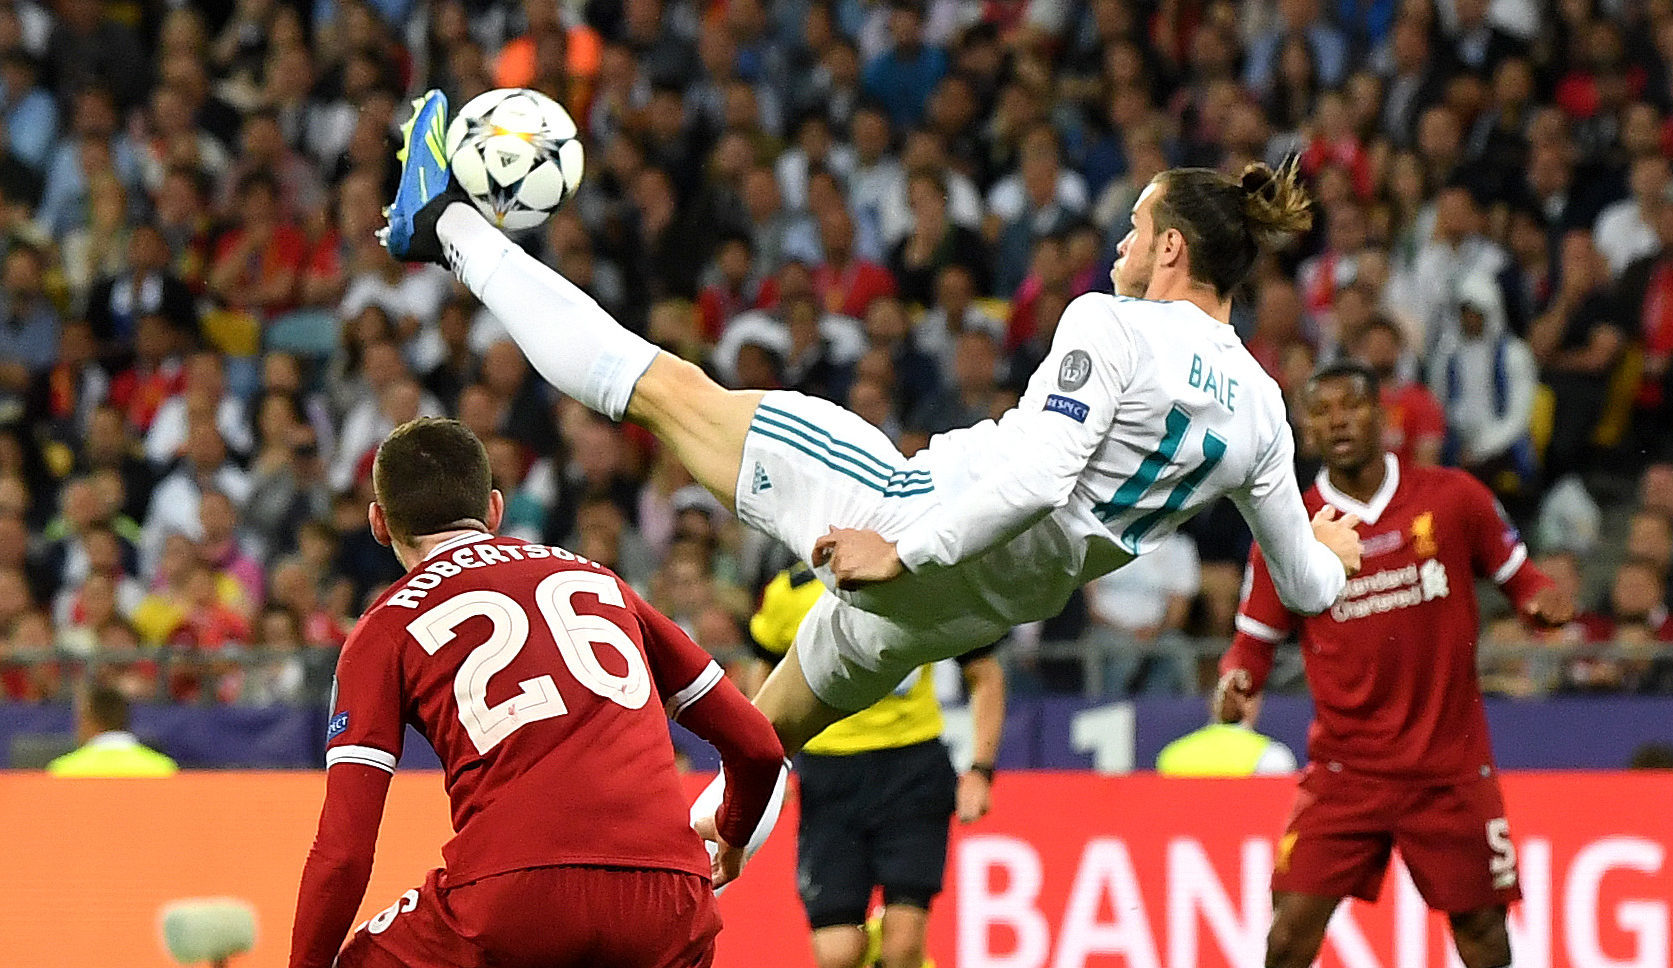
{"x":983,"y":770}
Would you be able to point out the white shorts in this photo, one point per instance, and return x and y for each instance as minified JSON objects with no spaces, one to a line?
{"x":808,"y":464}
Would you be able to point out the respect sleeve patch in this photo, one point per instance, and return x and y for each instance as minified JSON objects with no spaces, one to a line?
{"x":335,"y":728}
{"x":1068,"y":407}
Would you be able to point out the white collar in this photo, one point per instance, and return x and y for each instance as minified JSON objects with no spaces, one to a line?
{"x":112,"y":739}
{"x":458,"y":541}
{"x":1368,"y":513}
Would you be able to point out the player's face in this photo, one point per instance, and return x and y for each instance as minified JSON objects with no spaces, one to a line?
{"x":1345,"y":421}
{"x":1136,"y":255}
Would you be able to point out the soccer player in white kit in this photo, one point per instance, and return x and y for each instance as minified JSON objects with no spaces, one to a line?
{"x":1147,"y":409}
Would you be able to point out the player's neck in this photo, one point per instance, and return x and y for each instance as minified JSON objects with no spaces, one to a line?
{"x":1178,"y":286}
{"x":1361,"y":483}
{"x":412,"y":554}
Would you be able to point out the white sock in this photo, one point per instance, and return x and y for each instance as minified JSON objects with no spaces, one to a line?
{"x":567,"y":336}
{"x":708,"y":803}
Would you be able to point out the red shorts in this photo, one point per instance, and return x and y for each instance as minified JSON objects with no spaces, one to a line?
{"x":1453,"y":837}
{"x":545,"y":917}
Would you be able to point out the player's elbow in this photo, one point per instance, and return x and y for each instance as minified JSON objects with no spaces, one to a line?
{"x":1310,"y":600}
{"x":762,"y":751}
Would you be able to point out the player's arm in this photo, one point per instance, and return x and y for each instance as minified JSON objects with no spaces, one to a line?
{"x":339,"y":863}
{"x":1041,"y":447}
{"x":1307,"y":572}
{"x":985,"y":681}
{"x":699,"y":697}
{"x":1497,"y":552}
{"x":1262,"y":623}
{"x":363,"y":744}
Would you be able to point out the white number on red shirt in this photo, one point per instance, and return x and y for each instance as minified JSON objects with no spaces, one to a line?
{"x":575,"y":635}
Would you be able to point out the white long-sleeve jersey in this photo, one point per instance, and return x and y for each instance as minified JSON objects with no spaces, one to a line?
{"x":1142,"y":415}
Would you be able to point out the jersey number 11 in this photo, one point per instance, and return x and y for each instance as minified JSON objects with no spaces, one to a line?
{"x":1134,"y":488}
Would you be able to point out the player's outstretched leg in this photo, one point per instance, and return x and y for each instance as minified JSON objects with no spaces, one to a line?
{"x":566,"y":335}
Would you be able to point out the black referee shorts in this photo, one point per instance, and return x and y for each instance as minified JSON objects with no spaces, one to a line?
{"x":868,"y":820}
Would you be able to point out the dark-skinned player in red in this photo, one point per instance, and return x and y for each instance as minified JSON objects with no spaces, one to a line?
{"x":1398,"y":754}
{"x":545,"y":685}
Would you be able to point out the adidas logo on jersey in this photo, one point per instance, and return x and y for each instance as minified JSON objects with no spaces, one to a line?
{"x":762,"y":481}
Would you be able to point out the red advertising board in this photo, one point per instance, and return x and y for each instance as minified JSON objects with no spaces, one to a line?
{"x":1138,"y":871}
{"x":1070,"y":870}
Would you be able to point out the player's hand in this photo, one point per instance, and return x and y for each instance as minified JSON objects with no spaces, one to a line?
{"x":1339,"y":536}
{"x":857,"y":557}
{"x":974,"y":798}
{"x":1233,"y":696}
{"x":1550,"y":608}
{"x":727,"y":861}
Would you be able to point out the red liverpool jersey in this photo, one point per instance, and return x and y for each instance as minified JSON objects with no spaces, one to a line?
{"x":540,"y":679}
{"x":1392,"y":665}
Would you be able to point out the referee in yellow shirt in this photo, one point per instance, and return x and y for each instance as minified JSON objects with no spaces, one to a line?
{"x":877,"y":793}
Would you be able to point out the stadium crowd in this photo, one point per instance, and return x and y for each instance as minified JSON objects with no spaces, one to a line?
{"x":885,"y":203}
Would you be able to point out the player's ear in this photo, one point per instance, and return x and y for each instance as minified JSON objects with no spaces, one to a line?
{"x":496,"y":510}
{"x":380,"y":524}
{"x":1170,"y":248}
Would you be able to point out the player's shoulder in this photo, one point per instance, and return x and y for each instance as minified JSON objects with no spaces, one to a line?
{"x":1446,"y":482}
{"x":378,"y":616}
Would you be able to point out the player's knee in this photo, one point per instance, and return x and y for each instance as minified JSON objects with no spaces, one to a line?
{"x":1481,"y":937}
{"x":902,"y":951}
{"x":1290,"y":945}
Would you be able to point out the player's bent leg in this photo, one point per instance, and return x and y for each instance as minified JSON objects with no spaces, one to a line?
{"x":840,"y":946}
{"x":1482,"y":939}
{"x":905,"y":927}
{"x":1298,"y":926}
{"x":790,"y":704}
{"x":702,"y":421}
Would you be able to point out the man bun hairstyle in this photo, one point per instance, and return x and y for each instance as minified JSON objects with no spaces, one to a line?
{"x":1274,"y":202}
{"x":431,"y":475}
{"x":1227,"y":220}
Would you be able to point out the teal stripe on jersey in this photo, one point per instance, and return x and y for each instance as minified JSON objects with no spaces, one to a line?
{"x":821,"y":437}
{"x":827,"y":445}
{"x":1151,"y":468}
{"x":824,"y":457}
{"x":1213,"y":449}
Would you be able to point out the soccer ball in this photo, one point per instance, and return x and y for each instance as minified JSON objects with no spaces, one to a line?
{"x":515,"y":153}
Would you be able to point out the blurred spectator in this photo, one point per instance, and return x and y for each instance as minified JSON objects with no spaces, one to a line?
{"x":204,"y":397}
{"x":28,"y":320}
{"x":972,"y":391}
{"x":1040,"y":201}
{"x":1457,"y":251}
{"x":1577,"y":342}
{"x":1303,"y":21}
{"x":1142,"y":604}
{"x":954,"y":311}
{"x":733,"y":285}
{"x":888,"y":329}
{"x":96,"y":145}
{"x":203,"y":467}
{"x":903,"y":76}
{"x":844,"y":282}
{"x":1485,"y":380}
{"x":1626,"y":231}
{"x":1645,"y":293}
{"x":29,"y":114}
{"x":933,"y":243}
{"x":144,"y":286}
{"x":1415,"y":426}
